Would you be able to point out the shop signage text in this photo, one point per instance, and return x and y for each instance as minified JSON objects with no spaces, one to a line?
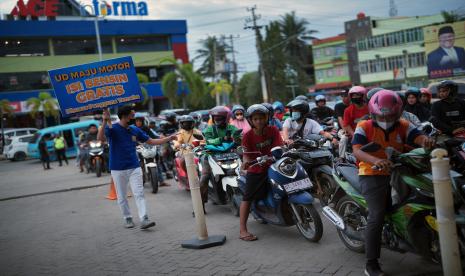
{"x":124,"y":8}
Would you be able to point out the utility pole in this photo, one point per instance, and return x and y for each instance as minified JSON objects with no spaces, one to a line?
{"x":234,"y":80}
{"x":405,"y":54}
{"x":258,"y":36}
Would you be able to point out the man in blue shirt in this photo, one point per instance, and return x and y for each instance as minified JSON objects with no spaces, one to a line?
{"x":124,"y":164}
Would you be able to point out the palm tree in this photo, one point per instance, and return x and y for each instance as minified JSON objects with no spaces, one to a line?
{"x":219,"y":88}
{"x":212,"y":50}
{"x":5,"y":109}
{"x":292,"y":30}
{"x":183,"y":79}
{"x":142,"y":78}
{"x":46,"y":104}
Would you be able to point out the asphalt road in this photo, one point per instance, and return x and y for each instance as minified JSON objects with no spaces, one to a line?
{"x":78,"y":232}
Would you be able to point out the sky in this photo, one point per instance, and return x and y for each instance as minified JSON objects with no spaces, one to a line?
{"x":227,"y":17}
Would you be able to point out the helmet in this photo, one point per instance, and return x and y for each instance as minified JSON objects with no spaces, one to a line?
{"x":426,"y":92}
{"x":269,"y":107}
{"x":372,"y":92}
{"x":301,"y":97}
{"x":358,"y":90}
{"x":220,"y":111}
{"x":300,"y":105}
{"x":401,"y":95}
{"x":385,"y":103}
{"x":412,"y":91}
{"x":186,"y":122}
{"x":236,"y":108}
{"x":256,"y":109}
{"x":278,"y":106}
{"x":196,"y":116}
{"x":452,"y":85}
{"x":170,"y":116}
{"x":320,"y":98}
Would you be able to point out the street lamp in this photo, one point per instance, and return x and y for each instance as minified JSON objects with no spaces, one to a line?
{"x":97,"y":32}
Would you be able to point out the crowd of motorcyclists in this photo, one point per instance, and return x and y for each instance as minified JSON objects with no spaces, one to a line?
{"x":364,"y":116}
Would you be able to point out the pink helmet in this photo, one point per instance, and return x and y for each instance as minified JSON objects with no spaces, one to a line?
{"x":385,"y":103}
{"x":358,"y":90}
{"x":425,"y":91}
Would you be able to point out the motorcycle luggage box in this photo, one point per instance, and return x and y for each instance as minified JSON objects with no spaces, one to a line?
{"x":350,"y":173}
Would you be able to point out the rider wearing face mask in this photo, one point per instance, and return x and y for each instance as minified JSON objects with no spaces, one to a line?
{"x":298,"y":125}
{"x":448,"y":114}
{"x":238,"y":118}
{"x":387,"y":129}
{"x":357,"y":110}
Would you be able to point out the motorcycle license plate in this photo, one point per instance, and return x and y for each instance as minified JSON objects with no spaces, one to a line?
{"x":298,"y":185}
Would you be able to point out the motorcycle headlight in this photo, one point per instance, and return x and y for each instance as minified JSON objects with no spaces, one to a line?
{"x":92,"y":144}
{"x":95,"y":144}
{"x":288,"y":167}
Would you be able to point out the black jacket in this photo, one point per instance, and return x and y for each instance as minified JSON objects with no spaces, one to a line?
{"x":320,"y":113}
{"x":447,"y":116}
{"x":419,"y":110}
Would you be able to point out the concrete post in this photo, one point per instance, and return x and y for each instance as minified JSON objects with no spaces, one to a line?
{"x":447,"y":228}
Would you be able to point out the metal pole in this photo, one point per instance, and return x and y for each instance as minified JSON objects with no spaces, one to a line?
{"x":97,"y":34}
{"x":447,"y":228}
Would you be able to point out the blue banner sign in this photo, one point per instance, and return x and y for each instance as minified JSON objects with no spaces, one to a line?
{"x":95,"y":86}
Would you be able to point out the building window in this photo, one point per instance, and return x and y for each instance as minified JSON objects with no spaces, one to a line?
{"x":81,"y":46}
{"x":317,"y":53}
{"x":23,"y":81}
{"x":329,"y":73}
{"x":142,"y":44}
{"x":23,"y":47}
{"x":319,"y":74}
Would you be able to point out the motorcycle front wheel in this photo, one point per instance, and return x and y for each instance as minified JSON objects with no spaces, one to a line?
{"x":327,"y":185}
{"x":350,"y":212}
{"x":98,"y":167}
{"x":153,"y":175}
{"x":311,"y":227}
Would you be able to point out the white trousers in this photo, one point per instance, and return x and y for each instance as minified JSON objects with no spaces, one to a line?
{"x":134,"y":178}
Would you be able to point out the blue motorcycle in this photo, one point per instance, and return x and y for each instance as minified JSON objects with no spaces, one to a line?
{"x":288,"y":201}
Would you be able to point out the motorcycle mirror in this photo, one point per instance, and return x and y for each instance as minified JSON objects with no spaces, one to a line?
{"x":198,"y":136}
{"x":371,"y":147}
{"x":428,"y":129}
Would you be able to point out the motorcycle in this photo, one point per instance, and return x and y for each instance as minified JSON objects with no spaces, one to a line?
{"x":183,"y":179}
{"x":410,"y":224}
{"x":147,"y":157}
{"x":288,"y":201}
{"x":317,"y":160}
{"x":96,"y":159}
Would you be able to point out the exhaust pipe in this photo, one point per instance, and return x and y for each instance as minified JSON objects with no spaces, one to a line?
{"x":334,"y":217}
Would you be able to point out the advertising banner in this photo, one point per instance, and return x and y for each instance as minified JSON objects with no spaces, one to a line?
{"x":95,"y":86}
{"x":444,"y":47}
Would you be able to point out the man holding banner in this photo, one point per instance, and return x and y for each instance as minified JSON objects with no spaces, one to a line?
{"x":124,"y":165}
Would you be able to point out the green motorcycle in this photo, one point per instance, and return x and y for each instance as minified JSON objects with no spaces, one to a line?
{"x":410,"y":224}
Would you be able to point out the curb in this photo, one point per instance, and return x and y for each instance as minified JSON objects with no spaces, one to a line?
{"x":55,"y":192}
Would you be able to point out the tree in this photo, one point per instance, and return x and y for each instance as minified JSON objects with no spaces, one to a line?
{"x":219,"y":88}
{"x":178,"y":83}
{"x":46,"y":104}
{"x":452,"y":16}
{"x":142,"y":78}
{"x":250,"y":88}
{"x":212,"y":50}
{"x":5,"y":109}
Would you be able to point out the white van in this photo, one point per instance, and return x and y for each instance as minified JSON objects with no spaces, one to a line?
{"x":16,"y":147}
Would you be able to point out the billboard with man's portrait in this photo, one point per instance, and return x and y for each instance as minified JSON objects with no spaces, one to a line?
{"x":445,"y":50}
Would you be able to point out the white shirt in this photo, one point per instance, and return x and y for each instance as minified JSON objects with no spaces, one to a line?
{"x":311,"y":127}
{"x":451,"y":56}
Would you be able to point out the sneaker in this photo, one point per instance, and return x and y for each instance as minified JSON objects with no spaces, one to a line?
{"x":373,"y":269}
{"x":146,"y":223}
{"x":129,"y":223}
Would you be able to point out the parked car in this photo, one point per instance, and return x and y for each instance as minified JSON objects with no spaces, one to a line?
{"x":178,"y":111}
{"x":16,"y":147}
{"x":10,"y":132}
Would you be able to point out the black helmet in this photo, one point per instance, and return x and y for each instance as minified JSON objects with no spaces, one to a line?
{"x":269,"y":107}
{"x":452,"y":85}
{"x":186,"y":122}
{"x":299,"y":105}
{"x":170,"y":116}
{"x":196,"y":116}
{"x":301,"y":97}
{"x":412,"y":91}
{"x":256,"y":109}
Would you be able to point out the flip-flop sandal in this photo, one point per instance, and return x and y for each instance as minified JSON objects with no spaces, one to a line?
{"x":249,"y":237}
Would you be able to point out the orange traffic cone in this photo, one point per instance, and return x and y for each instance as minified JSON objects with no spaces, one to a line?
{"x":112,"y":193}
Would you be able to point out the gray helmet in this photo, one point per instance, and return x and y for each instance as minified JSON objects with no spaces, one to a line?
{"x":300,"y":105}
{"x":236,"y":108}
{"x":186,"y":122}
{"x":301,"y":97}
{"x":256,"y":109}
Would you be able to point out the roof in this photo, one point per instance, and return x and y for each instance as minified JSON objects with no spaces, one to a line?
{"x":328,"y":39}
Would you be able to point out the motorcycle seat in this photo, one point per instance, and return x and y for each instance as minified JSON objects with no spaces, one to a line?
{"x":350,"y":173}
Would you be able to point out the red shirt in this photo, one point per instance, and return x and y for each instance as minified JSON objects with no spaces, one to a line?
{"x":259,"y":145}
{"x":354,"y":114}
